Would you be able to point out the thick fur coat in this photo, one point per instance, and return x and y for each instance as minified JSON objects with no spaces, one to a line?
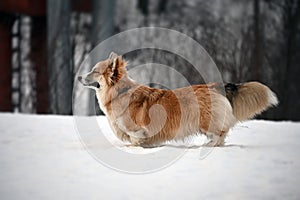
{"x":148,"y":117}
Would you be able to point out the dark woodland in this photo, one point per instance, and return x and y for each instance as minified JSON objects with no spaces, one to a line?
{"x":43,"y":44}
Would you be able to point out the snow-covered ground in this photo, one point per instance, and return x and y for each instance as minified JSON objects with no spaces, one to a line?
{"x":41,"y":157}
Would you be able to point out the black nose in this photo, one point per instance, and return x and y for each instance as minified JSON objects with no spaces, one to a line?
{"x":79,"y":78}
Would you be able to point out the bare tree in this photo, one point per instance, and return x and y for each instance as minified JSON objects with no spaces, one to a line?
{"x":6,"y":22}
{"x":257,"y":56}
{"x":60,"y":56}
{"x":103,"y":20}
{"x":291,"y":20}
{"x":39,"y":62}
{"x":102,"y":28}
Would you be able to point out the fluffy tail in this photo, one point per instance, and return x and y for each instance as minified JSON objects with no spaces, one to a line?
{"x":249,"y":99}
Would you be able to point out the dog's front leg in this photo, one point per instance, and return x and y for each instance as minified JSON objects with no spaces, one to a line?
{"x":143,"y":142}
{"x":135,"y":141}
{"x":137,"y":137}
{"x":122,"y":135}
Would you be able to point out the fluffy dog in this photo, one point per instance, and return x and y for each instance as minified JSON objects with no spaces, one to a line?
{"x":148,"y":117}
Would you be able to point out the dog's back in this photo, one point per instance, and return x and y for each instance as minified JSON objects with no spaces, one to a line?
{"x":175,"y":114}
{"x":148,"y":116}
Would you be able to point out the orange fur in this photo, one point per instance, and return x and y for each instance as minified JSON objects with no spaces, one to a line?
{"x":149,"y":116}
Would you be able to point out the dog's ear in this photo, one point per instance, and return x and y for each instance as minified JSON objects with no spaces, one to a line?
{"x":114,"y":64}
{"x":116,"y":68}
{"x":112,"y":55}
{"x":113,"y":59}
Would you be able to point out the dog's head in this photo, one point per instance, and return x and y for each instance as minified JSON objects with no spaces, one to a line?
{"x":105,"y":73}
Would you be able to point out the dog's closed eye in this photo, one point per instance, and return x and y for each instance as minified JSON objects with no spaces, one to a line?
{"x":96,"y":72}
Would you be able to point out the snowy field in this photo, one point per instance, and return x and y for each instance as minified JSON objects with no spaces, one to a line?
{"x":42,"y":157}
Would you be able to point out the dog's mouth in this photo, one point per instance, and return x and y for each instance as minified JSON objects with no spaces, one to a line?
{"x":95,"y":84}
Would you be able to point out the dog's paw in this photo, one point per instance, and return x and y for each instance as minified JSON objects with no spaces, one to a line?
{"x":131,"y":145}
{"x":214,"y":144}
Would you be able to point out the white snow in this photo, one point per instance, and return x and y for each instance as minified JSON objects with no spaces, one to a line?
{"x":41,"y":157}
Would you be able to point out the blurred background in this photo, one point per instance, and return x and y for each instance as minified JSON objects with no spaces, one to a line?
{"x":43,"y":43}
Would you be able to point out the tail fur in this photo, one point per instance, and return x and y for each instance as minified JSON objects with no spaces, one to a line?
{"x":249,"y":99}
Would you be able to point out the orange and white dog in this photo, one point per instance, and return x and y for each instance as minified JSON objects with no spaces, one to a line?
{"x":148,"y":117}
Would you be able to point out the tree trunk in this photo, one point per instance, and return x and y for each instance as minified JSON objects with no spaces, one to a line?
{"x":161,"y":7}
{"x":257,"y":56}
{"x":103,"y":20}
{"x":59,"y":56}
{"x":143,"y":5}
{"x":291,"y":23}
{"x":102,"y":28}
{"x":5,"y":63}
{"x":39,"y":61}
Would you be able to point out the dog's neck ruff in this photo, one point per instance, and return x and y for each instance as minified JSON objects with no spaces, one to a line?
{"x":123,"y":90}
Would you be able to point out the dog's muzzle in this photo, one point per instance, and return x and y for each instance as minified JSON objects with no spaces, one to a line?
{"x":88,"y":83}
